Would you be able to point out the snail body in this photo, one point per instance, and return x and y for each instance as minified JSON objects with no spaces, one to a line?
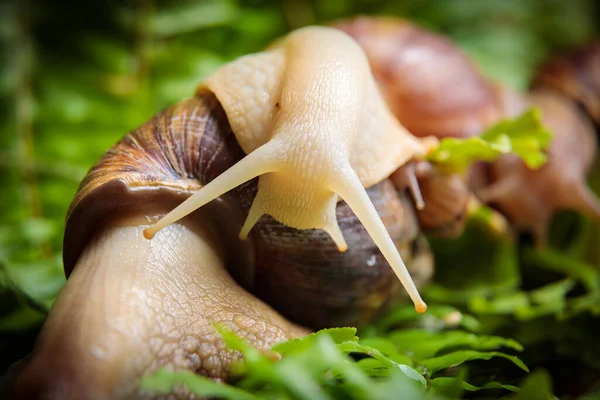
{"x":131,"y":305}
{"x":575,"y":74}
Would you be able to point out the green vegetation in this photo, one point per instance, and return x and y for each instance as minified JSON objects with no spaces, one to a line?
{"x":76,"y":76}
{"x":524,"y":136}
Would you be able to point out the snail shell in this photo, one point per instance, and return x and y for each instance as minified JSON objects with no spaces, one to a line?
{"x":428,"y":83}
{"x":530,"y":197}
{"x":576,"y":74}
{"x":429,"y":100}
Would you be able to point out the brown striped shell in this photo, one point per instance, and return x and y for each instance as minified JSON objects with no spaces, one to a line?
{"x":164,"y":160}
{"x":300,"y":273}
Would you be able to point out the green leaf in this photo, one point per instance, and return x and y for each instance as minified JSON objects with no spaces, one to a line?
{"x":423,"y":344}
{"x":21,"y":318}
{"x":165,"y":381}
{"x":536,"y":386}
{"x":524,"y":136}
{"x":190,"y":16}
{"x":355,"y":347}
{"x":338,"y":335}
{"x":451,"y":386}
{"x":501,"y":304}
{"x":456,"y":358}
{"x":554,"y":261}
{"x":437,"y":317}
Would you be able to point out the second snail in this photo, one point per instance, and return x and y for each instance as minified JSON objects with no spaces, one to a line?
{"x":336,"y":125}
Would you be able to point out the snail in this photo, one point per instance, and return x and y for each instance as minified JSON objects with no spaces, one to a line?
{"x":560,"y":86}
{"x":405,"y":60}
{"x":132,"y":304}
{"x":453,"y":101}
{"x":557,"y":185}
{"x":308,"y":115}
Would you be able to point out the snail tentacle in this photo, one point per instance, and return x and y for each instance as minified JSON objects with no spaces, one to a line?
{"x":259,"y":162}
{"x":351,"y":190}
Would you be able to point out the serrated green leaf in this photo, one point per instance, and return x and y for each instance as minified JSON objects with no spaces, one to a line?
{"x":338,"y":335}
{"x":456,"y":358}
{"x":384,"y":345}
{"x":524,"y":136}
{"x":570,"y":266}
{"x":356,"y":347}
{"x":423,"y":344}
{"x":448,"y":386}
{"x":165,"y":381}
{"x":536,"y":386}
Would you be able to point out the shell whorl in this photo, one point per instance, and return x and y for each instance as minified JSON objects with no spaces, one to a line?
{"x":166,"y":159}
{"x":295,"y":267}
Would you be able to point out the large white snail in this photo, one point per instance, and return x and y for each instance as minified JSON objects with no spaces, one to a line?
{"x":314,"y":125}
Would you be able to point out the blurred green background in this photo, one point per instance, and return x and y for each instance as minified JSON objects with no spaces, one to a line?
{"x":76,"y":76}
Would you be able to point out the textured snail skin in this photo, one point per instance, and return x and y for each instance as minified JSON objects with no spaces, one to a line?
{"x":133,"y":305}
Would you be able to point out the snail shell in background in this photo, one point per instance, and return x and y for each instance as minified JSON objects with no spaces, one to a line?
{"x":528,"y":197}
{"x":575,"y":74}
{"x":433,"y":89}
{"x":428,"y":82}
